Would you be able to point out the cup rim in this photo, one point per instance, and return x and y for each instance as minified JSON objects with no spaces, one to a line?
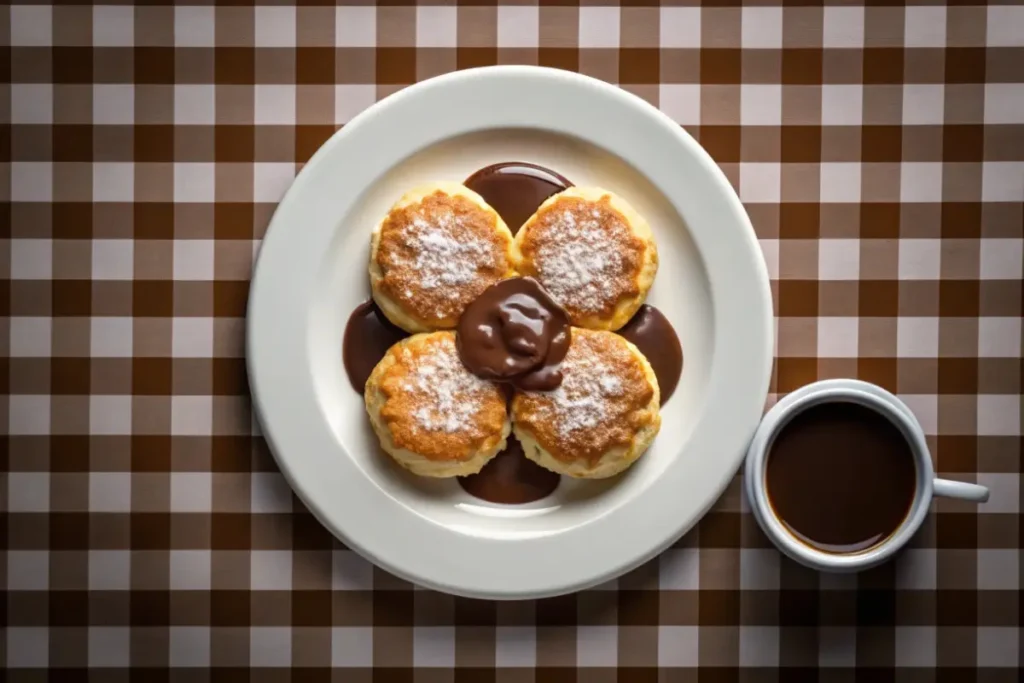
{"x":837,"y":391}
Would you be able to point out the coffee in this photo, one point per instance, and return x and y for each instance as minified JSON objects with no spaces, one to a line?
{"x":841,"y":477}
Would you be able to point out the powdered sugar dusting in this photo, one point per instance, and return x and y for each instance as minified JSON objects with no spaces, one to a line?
{"x":583,"y":401}
{"x":446,"y":394}
{"x":582,"y":256}
{"x":442,"y":253}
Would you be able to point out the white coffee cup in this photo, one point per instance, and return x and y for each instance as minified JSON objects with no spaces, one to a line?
{"x":883,"y":402}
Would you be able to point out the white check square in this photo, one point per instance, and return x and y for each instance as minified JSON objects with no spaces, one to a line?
{"x":837,"y":337}
{"x":31,"y":181}
{"x":599,"y":27}
{"x":436,"y":26}
{"x":924,"y":103}
{"x":761,"y":27}
{"x":194,"y":104}
{"x":271,"y":570}
{"x":270,"y":646}
{"x":515,"y":646}
{"x":28,"y":570}
{"x":680,"y":102}
{"x":518,"y":26}
{"x":30,"y":337}
{"x":843,"y":27}
{"x":193,"y":26}
{"x":433,"y":646}
{"x":924,"y":27}
{"x":31,"y":26}
{"x":760,"y":182}
{"x":351,"y":646}
{"x":919,"y":259}
{"x":190,"y":570}
{"x":28,"y":415}
{"x":110,"y":491}
{"x":31,"y":103}
{"x":917,"y":337}
{"x":110,"y":415}
{"x":842,"y":105}
{"x":275,"y":26}
{"x":1002,"y":259}
{"x":761,"y":105}
{"x":28,"y":492}
{"x":680,"y":27}
{"x":113,"y":26}
{"x":838,"y":259}
{"x":113,"y":181}
{"x":191,"y":492}
{"x":109,"y":646}
{"x":355,"y":26}
{"x":189,"y":646}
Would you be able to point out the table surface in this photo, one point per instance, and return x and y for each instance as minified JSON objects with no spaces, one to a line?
{"x":879,"y":152}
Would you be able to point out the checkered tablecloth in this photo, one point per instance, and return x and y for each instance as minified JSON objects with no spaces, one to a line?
{"x":879,"y":152}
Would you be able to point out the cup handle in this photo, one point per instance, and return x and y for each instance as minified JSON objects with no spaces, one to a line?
{"x":948,"y":488}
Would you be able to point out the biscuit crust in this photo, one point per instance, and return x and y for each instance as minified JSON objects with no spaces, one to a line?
{"x":435,"y":251}
{"x":432,"y":415}
{"x":603,"y":416}
{"x":593,"y":252}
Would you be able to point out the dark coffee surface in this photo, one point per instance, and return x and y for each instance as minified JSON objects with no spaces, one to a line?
{"x":516,"y":189}
{"x":652,"y":333}
{"x":515,"y":332}
{"x":511,"y":478}
{"x":368,"y":336}
{"x":841,"y":477}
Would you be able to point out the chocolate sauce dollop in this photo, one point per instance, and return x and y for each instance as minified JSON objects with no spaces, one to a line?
{"x":516,"y":189}
{"x":515,"y":332}
{"x":653,"y":334}
{"x":511,"y":478}
{"x":368,"y":336}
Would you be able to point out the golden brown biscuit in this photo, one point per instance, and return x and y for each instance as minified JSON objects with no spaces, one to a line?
{"x":432,"y":415}
{"x":603,"y":416}
{"x":593,"y":252}
{"x":438,"y":248}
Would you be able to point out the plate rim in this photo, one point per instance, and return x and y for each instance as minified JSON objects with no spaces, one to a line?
{"x":542,"y":77}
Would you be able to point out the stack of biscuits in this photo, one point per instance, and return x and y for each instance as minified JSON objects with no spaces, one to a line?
{"x":438,"y":248}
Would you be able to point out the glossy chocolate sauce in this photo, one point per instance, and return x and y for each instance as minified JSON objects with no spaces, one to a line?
{"x":652,"y":333}
{"x":516,"y":189}
{"x":511,"y":478}
{"x":515,"y":332}
{"x":368,"y":336}
{"x":841,"y":477}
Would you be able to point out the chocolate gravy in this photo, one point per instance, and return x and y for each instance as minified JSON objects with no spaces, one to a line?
{"x":511,"y":478}
{"x":841,"y":477}
{"x":515,"y":332}
{"x":368,"y":336}
{"x":652,"y":333}
{"x":516,"y":189}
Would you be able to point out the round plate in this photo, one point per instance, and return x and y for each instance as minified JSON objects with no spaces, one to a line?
{"x":311,"y":273}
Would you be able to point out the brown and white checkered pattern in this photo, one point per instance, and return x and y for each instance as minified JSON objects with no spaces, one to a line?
{"x":879,"y":152}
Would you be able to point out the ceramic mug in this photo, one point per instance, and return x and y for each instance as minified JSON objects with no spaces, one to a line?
{"x":883,"y":402}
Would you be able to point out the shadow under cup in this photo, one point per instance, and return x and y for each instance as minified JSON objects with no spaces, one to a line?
{"x":841,"y":477}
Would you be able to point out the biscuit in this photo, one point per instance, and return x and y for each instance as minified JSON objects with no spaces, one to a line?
{"x":601,"y":419}
{"x":432,"y":415}
{"x":435,"y":251}
{"x":594,"y":254}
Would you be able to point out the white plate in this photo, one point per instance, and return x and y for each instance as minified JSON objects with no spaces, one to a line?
{"x":311,"y":272}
